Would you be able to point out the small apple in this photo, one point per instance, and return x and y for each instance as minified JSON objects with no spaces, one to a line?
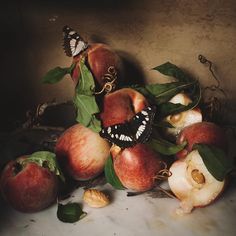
{"x":27,"y":186}
{"x":192,"y":183}
{"x":104,"y":63}
{"x":201,"y":132}
{"x":137,"y":167}
{"x":121,"y":105}
{"x":182,"y":119}
{"x":82,"y":152}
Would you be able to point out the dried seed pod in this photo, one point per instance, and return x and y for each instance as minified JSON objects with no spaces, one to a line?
{"x":95,"y":198}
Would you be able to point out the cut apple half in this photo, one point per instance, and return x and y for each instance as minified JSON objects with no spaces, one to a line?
{"x":192,"y":183}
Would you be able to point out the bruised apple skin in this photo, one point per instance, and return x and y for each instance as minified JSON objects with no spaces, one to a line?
{"x":193,"y":184}
{"x":29,"y":188}
{"x":137,"y":167}
{"x":101,"y":60}
{"x":202,"y":132}
{"x":81,"y":152}
{"x":182,"y":119}
{"x":121,"y":105}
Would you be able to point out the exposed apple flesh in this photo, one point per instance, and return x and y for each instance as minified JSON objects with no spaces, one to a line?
{"x":182,"y":119}
{"x":82,"y":152}
{"x":137,"y":167}
{"x":192,"y":183}
{"x":121,"y":105}
{"x":204,"y":133}
{"x":30,"y":188}
{"x":101,"y":60}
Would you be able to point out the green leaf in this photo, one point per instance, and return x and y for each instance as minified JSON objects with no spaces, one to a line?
{"x":85,"y":101}
{"x":86,"y":107}
{"x":70,"y":212}
{"x":95,"y":124}
{"x":111,"y":176}
{"x":164,"y":92}
{"x":215,"y":160}
{"x":164,"y":147}
{"x":45,"y":159}
{"x":57,"y":74}
{"x":169,"y":108}
{"x":172,"y":70}
{"x":163,"y":124}
{"x":145,"y":93}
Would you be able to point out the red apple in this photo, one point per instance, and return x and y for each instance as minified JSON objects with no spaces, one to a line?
{"x":82,"y":152}
{"x":29,"y":187}
{"x":121,"y":106}
{"x":102,"y":61}
{"x":193,"y":184}
{"x":202,"y":132}
{"x":137,"y":167}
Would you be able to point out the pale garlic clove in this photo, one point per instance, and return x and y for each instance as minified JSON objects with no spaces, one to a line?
{"x":95,"y":198}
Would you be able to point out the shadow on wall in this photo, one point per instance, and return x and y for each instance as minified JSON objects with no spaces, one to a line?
{"x":19,"y":36}
{"x":16,"y":92}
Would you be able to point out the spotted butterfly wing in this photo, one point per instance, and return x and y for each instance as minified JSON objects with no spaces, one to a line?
{"x":138,"y":130}
{"x":141,"y":124}
{"x":73,"y":43}
{"x":118,"y":134}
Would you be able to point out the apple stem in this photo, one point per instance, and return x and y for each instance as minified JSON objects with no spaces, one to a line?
{"x":166,"y":192}
{"x":164,"y":173}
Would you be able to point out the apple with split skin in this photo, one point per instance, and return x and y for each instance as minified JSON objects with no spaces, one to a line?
{"x":182,"y":119}
{"x":137,"y":167}
{"x":103,"y":62}
{"x":29,"y":187}
{"x":201,"y":132}
{"x":193,"y":184}
{"x":81,"y":152}
{"x":121,"y":105}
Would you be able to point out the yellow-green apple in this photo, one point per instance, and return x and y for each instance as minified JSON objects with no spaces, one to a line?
{"x":81,"y":152}
{"x":192,"y":183}
{"x":137,"y":167}
{"x":121,"y":105}
{"x":182,"y":119}
{"x":204,"y":133}
{"x":28,"y":187}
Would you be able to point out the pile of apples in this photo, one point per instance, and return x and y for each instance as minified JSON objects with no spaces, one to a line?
{"x":82,"y":153}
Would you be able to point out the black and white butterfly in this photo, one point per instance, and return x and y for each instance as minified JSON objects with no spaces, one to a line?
{"x":137,"y":130}
{"x":73,"y":43}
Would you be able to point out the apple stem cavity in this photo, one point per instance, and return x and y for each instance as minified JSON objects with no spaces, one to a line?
{"x":17,"y":168}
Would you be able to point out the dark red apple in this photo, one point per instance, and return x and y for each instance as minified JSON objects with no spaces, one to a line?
{"x":202,"y":132}
{"x":102,"y":61}
{"x":81,"y":152}
{"x":121,"y":105}
{"x":137,"y":167}
{"x":28,"y":187}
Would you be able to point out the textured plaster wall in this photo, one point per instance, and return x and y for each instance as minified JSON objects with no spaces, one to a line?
{"x":146,"y":32}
